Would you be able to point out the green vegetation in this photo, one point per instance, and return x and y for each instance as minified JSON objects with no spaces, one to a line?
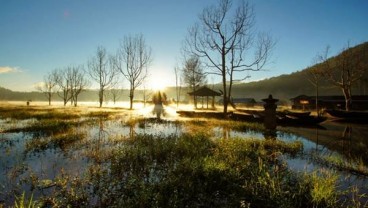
{"x":189,"y":169}
{"x":335,"y":161}
{"x":22,"y":202}
{"x":39,"y":113}
{"x":193,"y":171}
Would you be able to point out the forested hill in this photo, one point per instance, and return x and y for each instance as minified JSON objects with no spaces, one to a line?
{"x":291,"y":85}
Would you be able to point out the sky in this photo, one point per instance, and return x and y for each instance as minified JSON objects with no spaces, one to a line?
{"x":40,"y":36}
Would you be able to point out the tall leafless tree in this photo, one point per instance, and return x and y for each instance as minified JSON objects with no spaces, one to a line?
{"x":115,"y":94}
{"x":102,"y":71}
{"x":344,"y":70}
{"x":224,"y":37}
{"x":71,"y":82}
{"x":78,"y":83}
{"x":132,"y":60}
{"x":48,"y":86}
{"x":177,"y":85}
{"x":63,"y":79}
{"x":193,"y":75}
{"x":314,"y":76}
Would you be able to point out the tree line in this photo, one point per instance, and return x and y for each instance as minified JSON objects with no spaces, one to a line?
{"x":131,"y":60}
{"x":218,"y":44}
{"x":223,"y":42}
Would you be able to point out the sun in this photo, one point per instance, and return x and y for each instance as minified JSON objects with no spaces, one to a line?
{"x":158,"y":83}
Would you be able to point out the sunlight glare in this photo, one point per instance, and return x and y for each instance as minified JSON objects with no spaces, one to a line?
{"x":158,"y":82}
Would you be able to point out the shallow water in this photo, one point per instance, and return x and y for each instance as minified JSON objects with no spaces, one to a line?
{"x":21,"y":160}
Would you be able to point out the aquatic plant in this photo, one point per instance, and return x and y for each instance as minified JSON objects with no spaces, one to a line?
{"x":22,"y":202}
{"x":356,"y":166}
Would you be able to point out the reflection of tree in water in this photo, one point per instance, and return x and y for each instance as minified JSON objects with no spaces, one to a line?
{"x":270,"y":134}
{"x":226,"y":132}
{"x":352,"y":144}
{"x":346,"y":140}
{"x":101,"y":137}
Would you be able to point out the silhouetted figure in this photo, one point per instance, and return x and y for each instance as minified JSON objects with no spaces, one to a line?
{"x":158,"y":101}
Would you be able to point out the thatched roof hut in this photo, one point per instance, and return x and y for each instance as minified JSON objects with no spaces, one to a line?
{"x":205,"y":92}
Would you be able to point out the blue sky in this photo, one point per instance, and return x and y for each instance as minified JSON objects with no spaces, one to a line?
{"x":39,"y":36}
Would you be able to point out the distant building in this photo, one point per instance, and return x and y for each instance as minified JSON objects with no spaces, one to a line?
{"x":360,"y":102}
{"x":241,"y":102}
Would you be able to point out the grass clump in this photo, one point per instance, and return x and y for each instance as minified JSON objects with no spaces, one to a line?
{"x":46,"y":127}
{"x":39,"y":113}
{"x":61,"y":141}
{"x":23,"y":202}
{"x":356,"y":166}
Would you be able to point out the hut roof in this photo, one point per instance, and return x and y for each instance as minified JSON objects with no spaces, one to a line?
{"x":204,"y":91}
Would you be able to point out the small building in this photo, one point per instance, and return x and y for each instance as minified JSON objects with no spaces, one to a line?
{"x":244,"y":102}
{"x":360,"y":102}
{"x":240,"y":102}
{"x":205,"y":92}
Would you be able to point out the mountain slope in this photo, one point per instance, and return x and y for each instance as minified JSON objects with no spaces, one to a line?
{"x":297,"y":83}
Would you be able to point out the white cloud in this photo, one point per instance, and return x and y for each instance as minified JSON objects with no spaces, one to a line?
{"x":8,"y":69}
{"x":38,"y":85}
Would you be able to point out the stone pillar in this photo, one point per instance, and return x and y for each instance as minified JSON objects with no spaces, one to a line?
{"x":270,"y":112}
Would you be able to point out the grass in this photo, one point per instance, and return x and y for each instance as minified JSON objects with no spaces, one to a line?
{"x":355,"y":166}
{"x":191,"y":169}
{"x":61,"y":141}
{"x":21,"y":113}
{"x":22,"y":202}
{"x":46,"y":127}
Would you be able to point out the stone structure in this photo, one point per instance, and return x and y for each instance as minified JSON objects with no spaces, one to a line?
{"x":270,"y":112}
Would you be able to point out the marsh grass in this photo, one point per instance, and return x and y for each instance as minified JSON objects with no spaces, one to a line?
{"x":324,"y":189}
{"x":191,"y":169}
{"x":46,"y":127}
{"x":39,"y":113}
{"x":356,"y":166}
{"x":206,"y":126}
{"x":61,"y":141}
{"x":23,"y":202}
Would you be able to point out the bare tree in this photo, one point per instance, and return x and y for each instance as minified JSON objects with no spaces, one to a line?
{"x":78,"y":83}
{"x":193,"y":74}
{"x":63,"y":80}
{"x":48,"y":85}
{"x":101,"y":71}
{"x":132,"y":60}
{"x":344,"y":70}
{"x":314,"y":76}
{"x":146,"y":94}
{"x":223,"y":38}
{"x":115,"y":94}
{"x":71,"y":82}
{"x":177,"y":85}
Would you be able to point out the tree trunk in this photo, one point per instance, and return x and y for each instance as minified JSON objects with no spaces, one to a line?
{"x":225,"y":94}
{"x":348,"y":99}
{"x":101,"y":97}
{"x":317,"y":95}
{"x":226,"y":101}
{"x":49,"y":99}
{"x":131,"y":96}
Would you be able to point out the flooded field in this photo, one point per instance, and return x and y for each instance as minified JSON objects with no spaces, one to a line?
{"x":87,"y":156}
